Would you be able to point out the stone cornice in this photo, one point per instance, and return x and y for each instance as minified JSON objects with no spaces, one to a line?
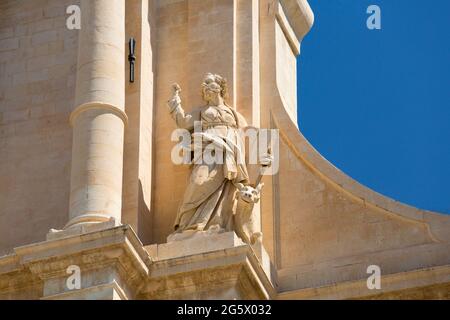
{"x":114,"y":260}
{"x":122,"y":235}
{"x":117,"y":247}
{"x":15,"y":277}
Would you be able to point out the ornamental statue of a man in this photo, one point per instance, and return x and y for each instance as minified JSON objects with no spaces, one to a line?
{"x":219,"y":196}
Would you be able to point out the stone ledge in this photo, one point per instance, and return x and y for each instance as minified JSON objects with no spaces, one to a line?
{"x":115,"y":265}
{"x":403,"y":284}
{"x":108,"y":291}
{"x":104,"y":257}
{"x":81,"y":229}
{"x":354,"y":268}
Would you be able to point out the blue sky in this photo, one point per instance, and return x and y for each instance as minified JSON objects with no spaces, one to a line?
{"x":376,"y":103}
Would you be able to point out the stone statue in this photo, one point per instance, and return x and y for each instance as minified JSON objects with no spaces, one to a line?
{"x":219,"y":196}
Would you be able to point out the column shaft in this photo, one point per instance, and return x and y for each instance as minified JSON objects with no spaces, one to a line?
{"x":98,"y":120}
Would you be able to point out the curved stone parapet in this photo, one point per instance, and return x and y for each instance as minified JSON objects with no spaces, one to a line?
{"x":305,"y":152}
{"x":320,"y":226}
{"x":330,"y":228}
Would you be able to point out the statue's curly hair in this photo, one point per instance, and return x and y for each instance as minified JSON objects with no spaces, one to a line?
{"x":221,"y":81}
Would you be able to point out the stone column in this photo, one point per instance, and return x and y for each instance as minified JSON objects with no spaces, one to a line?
{"x":99,"y":119}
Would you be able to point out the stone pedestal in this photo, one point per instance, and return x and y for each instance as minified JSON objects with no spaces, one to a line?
{"x":209,"y":266}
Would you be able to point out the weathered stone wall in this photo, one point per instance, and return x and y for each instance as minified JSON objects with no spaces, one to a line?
{"x":137,"y":184}
{"x":286,"y":69}
{"x":38,"y":56}
{"x":168,"y":180}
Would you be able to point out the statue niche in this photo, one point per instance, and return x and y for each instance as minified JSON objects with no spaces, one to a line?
{"x":219,"y":196}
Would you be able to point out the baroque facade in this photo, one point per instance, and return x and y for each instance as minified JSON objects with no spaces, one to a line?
{"x":87,"y":180}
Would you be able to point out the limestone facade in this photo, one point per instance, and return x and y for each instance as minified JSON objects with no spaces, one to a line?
{"x":86,"y":177}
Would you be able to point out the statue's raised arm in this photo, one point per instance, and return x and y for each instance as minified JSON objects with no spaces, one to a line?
{"x":183,"y":120}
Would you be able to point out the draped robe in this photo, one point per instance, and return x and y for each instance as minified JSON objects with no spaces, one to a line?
{"x":210,"y":197}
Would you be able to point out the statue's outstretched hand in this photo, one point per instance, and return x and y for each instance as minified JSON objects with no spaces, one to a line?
{"x":266,"y":160}
{"x":175,"y":101}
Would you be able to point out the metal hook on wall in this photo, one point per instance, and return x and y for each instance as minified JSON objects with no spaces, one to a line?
{"x":132,"y":57}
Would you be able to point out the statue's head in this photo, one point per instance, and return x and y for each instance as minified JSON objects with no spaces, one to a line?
{"x":214,"y":87}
